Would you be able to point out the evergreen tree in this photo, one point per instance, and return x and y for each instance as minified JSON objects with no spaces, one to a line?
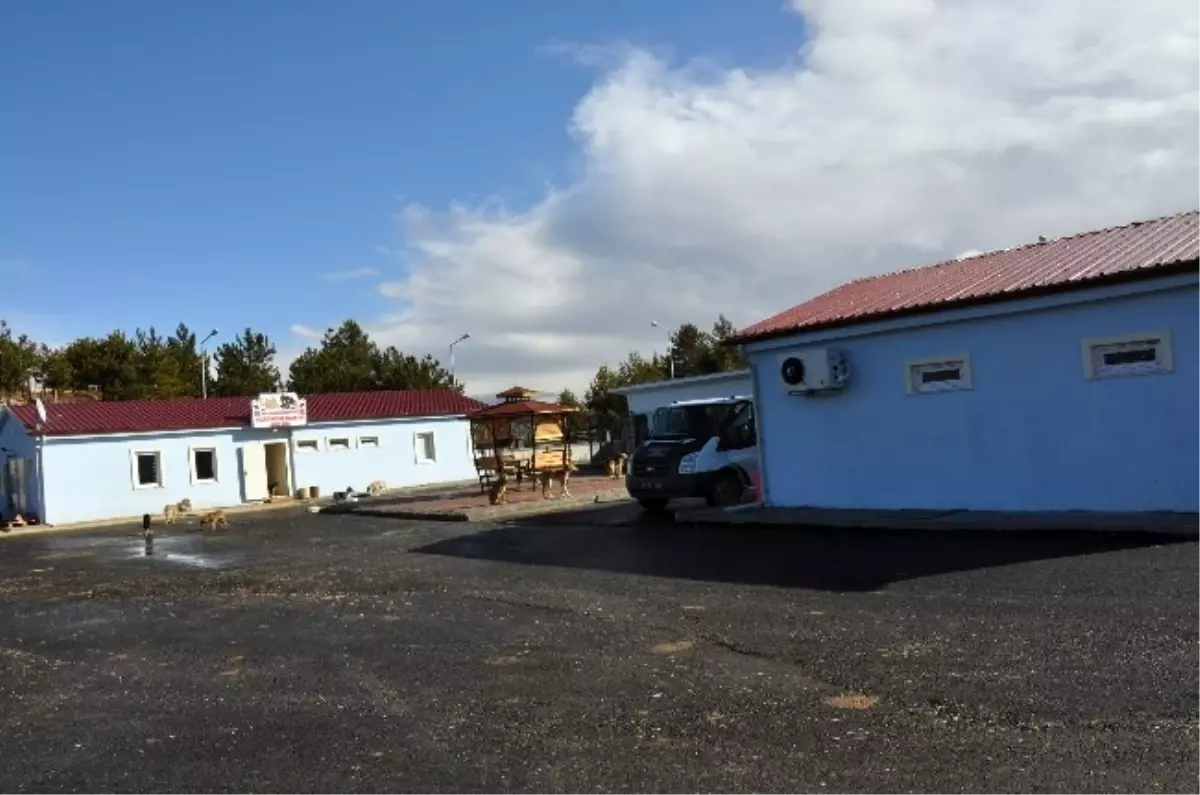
{"x":183,"y":350}
{"x":348,"y":360}
{"x":19,"y":359}
{"x":246,"y":366}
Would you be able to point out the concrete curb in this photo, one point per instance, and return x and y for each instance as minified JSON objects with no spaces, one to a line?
{"x":487,"y":513}
{"x":121,"y":521}
{"x":232,"y":510}
{"x":383,"y":513}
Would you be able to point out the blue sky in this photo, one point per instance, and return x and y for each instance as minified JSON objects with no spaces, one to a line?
{"x":211,"y":161}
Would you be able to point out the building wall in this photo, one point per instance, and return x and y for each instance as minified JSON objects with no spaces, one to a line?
{"x":1032,"y":433}
{"x":19,"y":444}
{"x":92,"y":478}
{"x":647,"y":398}
{"x":395,"y":460}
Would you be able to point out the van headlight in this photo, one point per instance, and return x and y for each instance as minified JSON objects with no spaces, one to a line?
{"x":687,"y":464}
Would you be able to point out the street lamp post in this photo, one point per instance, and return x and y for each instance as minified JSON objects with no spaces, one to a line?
{"x":204,"y":365}
{"x":670,"y":356}
{"x":460,"y":339}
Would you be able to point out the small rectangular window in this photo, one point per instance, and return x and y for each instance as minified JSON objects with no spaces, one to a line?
{"x":204,"y":465}
{"x":147,"y":472}
{"x":426,"y":449}
{"x":943,"y":374}
{"x":338,"y":443}
{"x":306,"y":446}
{"x":368,"y":441}
{"x":1137,"y":354}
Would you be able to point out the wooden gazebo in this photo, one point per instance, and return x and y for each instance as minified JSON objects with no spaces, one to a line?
{"x":502,"y":433}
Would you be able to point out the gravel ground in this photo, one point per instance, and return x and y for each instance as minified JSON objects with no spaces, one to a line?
{"x":595,"y":652}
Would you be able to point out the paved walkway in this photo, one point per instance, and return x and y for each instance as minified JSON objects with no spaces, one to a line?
{"x":1154,"y":522}
{"x":468,"y":504}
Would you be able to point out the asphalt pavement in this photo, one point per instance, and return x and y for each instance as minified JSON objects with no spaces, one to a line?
{"x":595,"y":651}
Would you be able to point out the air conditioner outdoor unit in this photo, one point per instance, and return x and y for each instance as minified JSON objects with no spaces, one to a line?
{"x":813,"y":370}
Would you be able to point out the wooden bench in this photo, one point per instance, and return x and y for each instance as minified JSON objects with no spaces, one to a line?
{"x":485,"y":467}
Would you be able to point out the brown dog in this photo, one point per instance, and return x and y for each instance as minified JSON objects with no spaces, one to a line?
{"x":214,"y":519}
{"x":171,"y":513}
{"x":498,"y":494}
{"x":559,"y":476}
{"x":615,"y":468}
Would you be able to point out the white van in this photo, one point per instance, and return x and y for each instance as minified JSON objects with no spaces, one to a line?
{"x":696,"y":448}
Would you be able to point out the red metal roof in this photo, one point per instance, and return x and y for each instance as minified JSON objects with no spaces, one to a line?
{"x":1134,"y":251}
{"x":140,"y":416}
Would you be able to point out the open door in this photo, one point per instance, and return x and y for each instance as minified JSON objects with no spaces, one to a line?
{"x":253,"y":459}
{"x":16,"y":485}
{"x":278,"y":471}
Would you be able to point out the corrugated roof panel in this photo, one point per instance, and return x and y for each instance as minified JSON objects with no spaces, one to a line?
{"x":1066,"y":262}
{"x":145,"y":416}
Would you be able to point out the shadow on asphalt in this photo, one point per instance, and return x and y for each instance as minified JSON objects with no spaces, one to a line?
{"x":621,"y":541}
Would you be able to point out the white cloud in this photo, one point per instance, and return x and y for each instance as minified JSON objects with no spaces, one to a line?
{"x":352,"y":273}
{"x":907,"y":131}
{"x":306,"y":332}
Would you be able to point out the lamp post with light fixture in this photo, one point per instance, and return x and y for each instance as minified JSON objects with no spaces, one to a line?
{"x":204,"y":365}
{"x":670,"y":355}
{"x":463,"y":338}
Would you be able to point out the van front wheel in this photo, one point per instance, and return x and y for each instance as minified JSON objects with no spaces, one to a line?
{"x":725,"y":490}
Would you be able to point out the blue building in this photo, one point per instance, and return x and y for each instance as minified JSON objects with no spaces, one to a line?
{"x":106,"y":460}
{"x":1060,"y":375}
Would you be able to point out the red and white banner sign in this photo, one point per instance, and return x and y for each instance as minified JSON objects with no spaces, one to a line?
{"x":273,"y":410}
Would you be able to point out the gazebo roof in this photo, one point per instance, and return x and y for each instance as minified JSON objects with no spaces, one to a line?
{"x":520,"y":408}
{"x":518,"y":393}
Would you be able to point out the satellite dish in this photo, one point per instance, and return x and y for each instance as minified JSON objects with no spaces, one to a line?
{"x":41,"y":410}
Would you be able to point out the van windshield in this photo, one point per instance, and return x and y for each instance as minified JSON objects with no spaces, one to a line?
{"x":673,"y":422}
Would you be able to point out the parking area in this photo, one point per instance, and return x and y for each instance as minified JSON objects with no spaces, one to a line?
{"x":595,"y":650}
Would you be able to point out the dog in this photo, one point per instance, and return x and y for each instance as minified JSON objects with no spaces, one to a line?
{"x":376,"y":488}
{"x":615,"y":468}
{"x":214,"y":519}
{"x":560,"y":476}
{"x":172,"y":512}
{"x":498,"y":493}
{"x":349,"y":495}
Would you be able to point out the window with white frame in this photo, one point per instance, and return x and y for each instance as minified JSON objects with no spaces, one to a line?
{"x":368,"y":441}
{"x":337,"y":443}
{"x":147,"y":469}
{"x":204,"y":465}
{"x":425,"y":447}
{"x":1135,"y":354}
{"x":307,"y":446}
{"x":941,"y":374}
